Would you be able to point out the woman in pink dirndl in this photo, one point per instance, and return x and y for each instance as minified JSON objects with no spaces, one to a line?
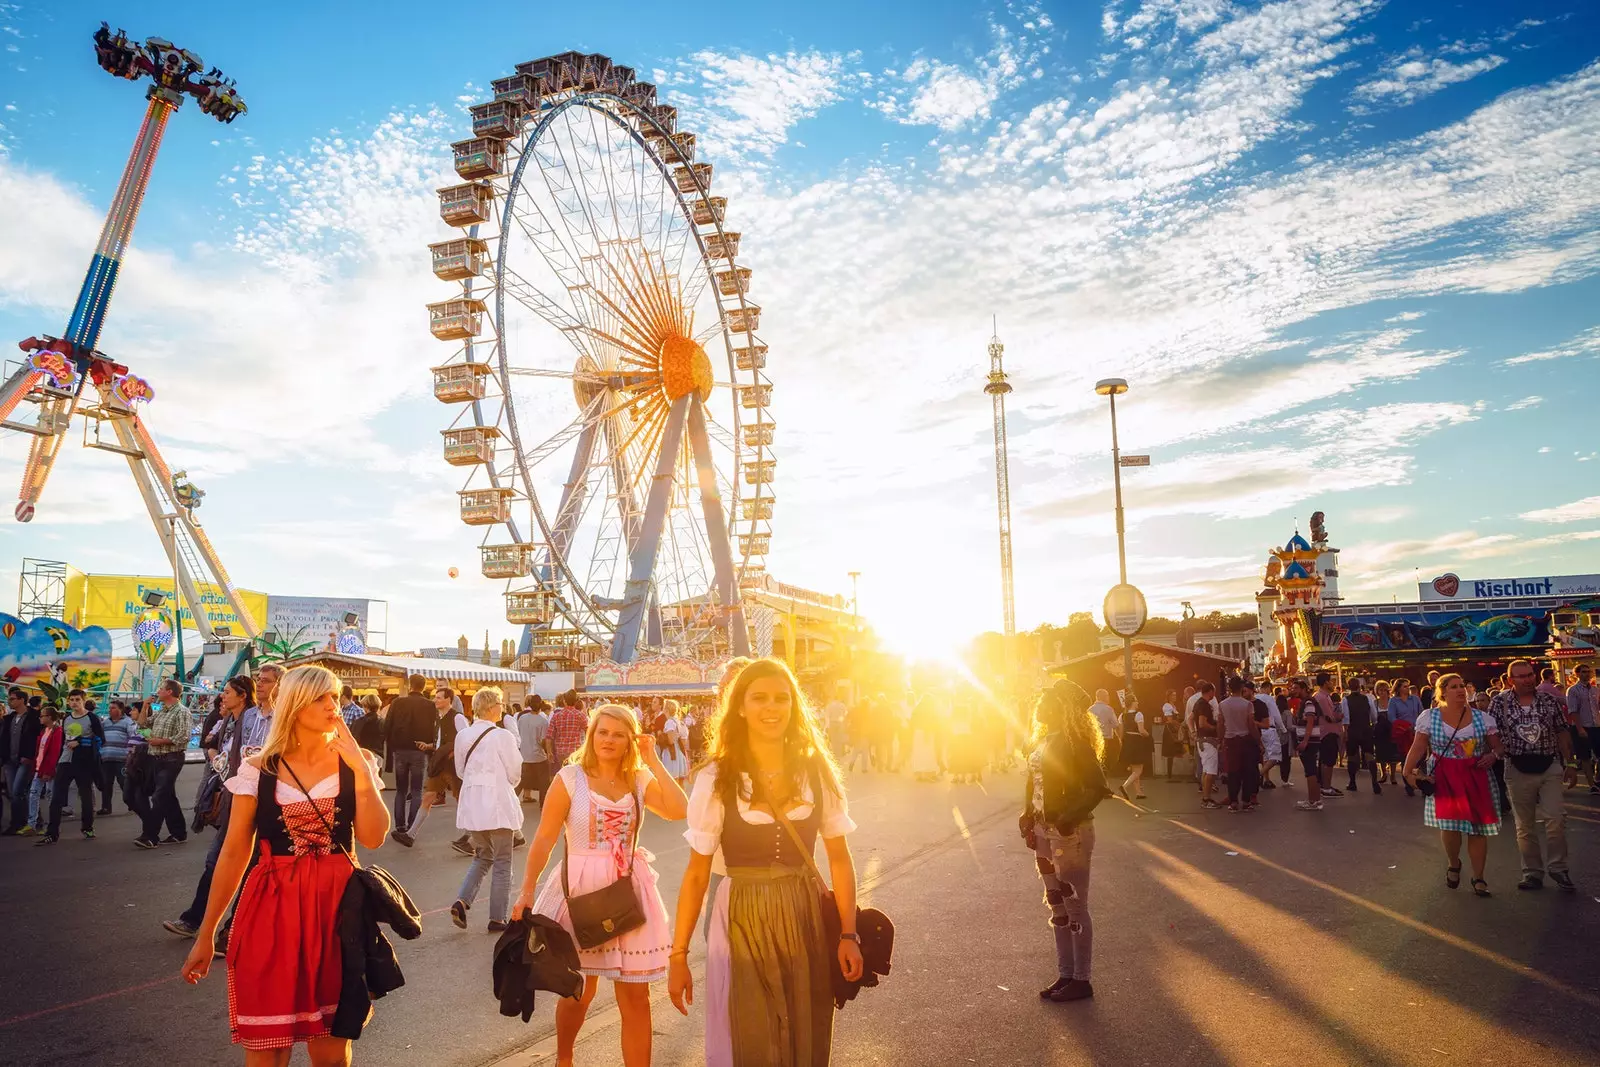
{"x":595,"y":800}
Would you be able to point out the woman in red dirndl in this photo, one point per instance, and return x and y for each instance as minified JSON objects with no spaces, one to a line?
{"x":299,"y":806}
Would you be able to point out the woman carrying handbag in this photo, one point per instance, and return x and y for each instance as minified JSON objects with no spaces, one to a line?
{"x":284,"y":955}
{"x":604,"y":892}
{"x":769,"y":993}
{"x":1462,"y":798}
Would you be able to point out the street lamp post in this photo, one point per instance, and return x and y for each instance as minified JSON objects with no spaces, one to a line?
{"x":1111,"y":388}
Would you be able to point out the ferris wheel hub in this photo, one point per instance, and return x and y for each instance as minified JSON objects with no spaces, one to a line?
{"x":685,"y":368}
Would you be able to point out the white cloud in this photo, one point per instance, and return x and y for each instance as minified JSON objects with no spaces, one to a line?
{"x":744,"y":106}
{"x":1525,"y":403}
{"x":1586,"y":343}
{"x":1587,"y":508}
{"x":931,"y":92}
{"x":1408,"y":78}
{"x":944,"y":96}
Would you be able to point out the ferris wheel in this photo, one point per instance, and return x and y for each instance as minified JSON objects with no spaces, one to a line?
{"x":609,"y":383}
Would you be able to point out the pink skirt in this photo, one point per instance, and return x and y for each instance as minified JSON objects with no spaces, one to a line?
{"x":640,"y":955}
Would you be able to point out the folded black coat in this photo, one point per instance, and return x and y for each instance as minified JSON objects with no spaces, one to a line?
{"x":877,"y":951}
{"x":534,"y":953}
{"x":368,"y":964}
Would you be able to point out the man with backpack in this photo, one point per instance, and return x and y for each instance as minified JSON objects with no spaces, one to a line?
{"x":82,"y":737}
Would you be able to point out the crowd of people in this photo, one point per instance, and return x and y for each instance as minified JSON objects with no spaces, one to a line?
{"x":1475,"y":755}
{"x":756,"y":782}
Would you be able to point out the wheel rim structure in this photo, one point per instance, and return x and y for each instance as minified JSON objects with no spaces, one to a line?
{"x":598,"y":290}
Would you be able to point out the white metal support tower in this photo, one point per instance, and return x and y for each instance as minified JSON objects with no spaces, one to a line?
{"x":997,"y":388}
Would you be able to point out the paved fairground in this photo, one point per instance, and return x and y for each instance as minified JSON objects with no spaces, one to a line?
{"x":1266,"y":938}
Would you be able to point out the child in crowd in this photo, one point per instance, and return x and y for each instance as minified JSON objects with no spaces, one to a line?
{"x":44,"y":762}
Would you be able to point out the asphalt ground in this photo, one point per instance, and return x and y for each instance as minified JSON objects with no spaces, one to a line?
{"x":1275,"y":937}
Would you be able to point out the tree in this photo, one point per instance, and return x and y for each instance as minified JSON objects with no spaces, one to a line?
{"x":288,"y":647}
{"x":1081,"y":636}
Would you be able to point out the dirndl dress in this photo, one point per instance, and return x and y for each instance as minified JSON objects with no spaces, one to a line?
{"x":284,"y":959}
{"x":598,"y":832}
{"x":1466,"y":798}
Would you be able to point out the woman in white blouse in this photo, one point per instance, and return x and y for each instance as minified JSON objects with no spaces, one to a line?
{"x":769,"y":996}
{"x":489,"y":763}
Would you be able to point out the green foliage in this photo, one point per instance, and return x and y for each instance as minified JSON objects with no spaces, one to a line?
{"x":288,"y":647}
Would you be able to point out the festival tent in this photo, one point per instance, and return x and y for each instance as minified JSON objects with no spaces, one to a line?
{"x":1157,"y":669}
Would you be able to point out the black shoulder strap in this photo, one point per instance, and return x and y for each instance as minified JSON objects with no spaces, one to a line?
{"x":466,"y":762}
{"x":333,"y":840}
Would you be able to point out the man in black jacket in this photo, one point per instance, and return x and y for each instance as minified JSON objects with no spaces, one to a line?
{"x":21,"y":741}
{"x":412,"y":731}
{"x":1359,"y":734}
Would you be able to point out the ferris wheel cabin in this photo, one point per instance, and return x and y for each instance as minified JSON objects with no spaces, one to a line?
{"x":531,"y":607}
{"x":497,"y":118}
{"x":456,"y":320}
{"x":521,"y":89}
{"x":460,"y":383}
{"x":758,"y":434}
{"x":733,"y":282}
{"x":665,"y":116}
{"x":756,"y":509}
{"x":755,"y":396}
{"x":755,"y":544}
{"x":507,"y":561}
{"x":464,"y":257}
{"x":760,"y":472}
{"x":486,"y":506}
{"x":466,"y":205}
{"x":469,"y":446}
{"x":710,"y":211}
{"x":722,"y":245}
{"x":694,"y":178}
{"x":746,"y":319}
{"x":479,"y":157}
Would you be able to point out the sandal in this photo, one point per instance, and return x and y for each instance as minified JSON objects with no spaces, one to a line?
{"x":1480,"y":887}
{"x":1452,"y":877}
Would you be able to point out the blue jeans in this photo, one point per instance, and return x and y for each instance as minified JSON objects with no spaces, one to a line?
{"x":490,"y":848}
{"x":410,"y":768}
{"x":39,"y":793}
{"x":19,"y":776}
{"x":202,"y":892}
{"x":1063,"y":861}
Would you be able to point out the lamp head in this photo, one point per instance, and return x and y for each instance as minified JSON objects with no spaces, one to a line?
{"x":1111,"y":386}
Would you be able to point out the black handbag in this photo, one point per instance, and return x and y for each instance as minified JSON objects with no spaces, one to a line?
{"x":612,"y":911}
{"x":873,"y":928}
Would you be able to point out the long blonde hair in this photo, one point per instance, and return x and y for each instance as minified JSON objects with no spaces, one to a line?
{"x":589,"y":760}
{"x":1064,"y":707}
{"x":296,"y":689}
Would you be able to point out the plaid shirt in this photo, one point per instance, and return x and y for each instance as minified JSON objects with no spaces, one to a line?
{"x":172,"y":720}
{"x":567,"y":727}
{"x":1531,"y":730}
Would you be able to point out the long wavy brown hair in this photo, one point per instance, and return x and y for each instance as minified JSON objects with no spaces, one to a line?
{"x":1065,"y":708}
{"x":805,"y":749}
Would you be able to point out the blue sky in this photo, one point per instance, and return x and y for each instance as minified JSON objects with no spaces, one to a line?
{"x":1346,"y":253}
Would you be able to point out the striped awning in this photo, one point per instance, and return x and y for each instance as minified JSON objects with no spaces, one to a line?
{"x":442,"y":669}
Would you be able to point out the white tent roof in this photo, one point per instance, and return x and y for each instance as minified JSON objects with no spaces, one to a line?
{"x":459,"y":669}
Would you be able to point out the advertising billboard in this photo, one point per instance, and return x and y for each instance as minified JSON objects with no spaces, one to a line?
{"x":1454,"y":587}
{"x":1468,"y":629}
{"x":314,"y":618}
{"x":115,"y":601}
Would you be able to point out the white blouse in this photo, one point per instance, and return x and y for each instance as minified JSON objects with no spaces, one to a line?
{"x":706,"y":811}
{"x":247,"y":783}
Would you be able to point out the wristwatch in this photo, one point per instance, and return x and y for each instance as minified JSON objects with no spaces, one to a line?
{"x":850,"y":937}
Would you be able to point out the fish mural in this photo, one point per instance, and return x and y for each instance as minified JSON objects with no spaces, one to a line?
{"x":53,"y":652}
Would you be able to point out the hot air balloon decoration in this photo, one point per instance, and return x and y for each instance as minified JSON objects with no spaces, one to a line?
{"x":9,"y":630}
{"x":351,"y":641}
{"x":152,"y":634}
{"x":455,"y":572}
{"x":59,"y":638}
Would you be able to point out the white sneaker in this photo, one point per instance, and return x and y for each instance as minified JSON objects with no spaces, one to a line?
{"x":1304,"y":805}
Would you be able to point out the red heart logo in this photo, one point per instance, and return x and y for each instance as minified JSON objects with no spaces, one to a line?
{"x":1447,"y":585}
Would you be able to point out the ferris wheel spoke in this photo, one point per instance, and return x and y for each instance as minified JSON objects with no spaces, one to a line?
{"x":545,"y":449}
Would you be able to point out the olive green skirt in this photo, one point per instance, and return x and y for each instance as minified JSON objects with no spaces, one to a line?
{"x":780,"y":1005}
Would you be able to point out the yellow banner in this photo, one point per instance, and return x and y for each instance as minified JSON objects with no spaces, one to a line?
{"x":115,"y":601}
